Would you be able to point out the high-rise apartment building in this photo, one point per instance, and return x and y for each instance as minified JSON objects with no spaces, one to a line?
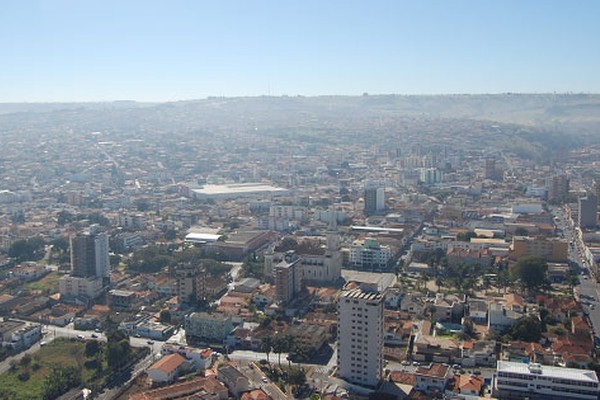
{"x":89,"y":254}
{"x":489,"y":168}
{"x":558,"y":188}
{"x":360,"y":337}
{"x":588,"y":210}
{"x":288,"y":279}
{"x":374,"y":198}
{"x":190,"y":283}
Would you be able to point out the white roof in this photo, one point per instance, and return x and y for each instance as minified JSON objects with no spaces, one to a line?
{"x":197,"y":237}
{"x":548,"y":371}
{"x":238,"y":188}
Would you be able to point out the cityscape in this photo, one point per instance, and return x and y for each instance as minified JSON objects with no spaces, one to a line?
{"x":271,"y":248}
{"x":315,"y":200}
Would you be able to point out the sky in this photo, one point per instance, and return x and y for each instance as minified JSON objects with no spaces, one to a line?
{"x":103,"y":50}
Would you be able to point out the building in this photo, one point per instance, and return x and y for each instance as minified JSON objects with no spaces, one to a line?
{"x":166,"y":369}
{"x":550,"y":249}
{"x":208,"y":328}
{"x":73,"y":287}
{"x":514,"y":380}
{"x":374,"y":197}
{"x":433,"y":378}
{"x":360,"y":337}
{"x":558,"y":189}
{"x":288,"y":279}
{"x":89,"y":254}
{"x":324,"y":268}
{"x":235,"y":381}
{"x":237,"y":191}
{"x":489,"y":168}
{"x":121,"y":299}
{"x":18,"y":335}
{"x":588,"y":210}
{"x":369,"y":255}
{"x":190,"y":283}
{"x":208,"y":388}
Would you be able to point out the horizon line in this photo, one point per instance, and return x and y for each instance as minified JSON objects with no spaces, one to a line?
{"x":365,"y":94}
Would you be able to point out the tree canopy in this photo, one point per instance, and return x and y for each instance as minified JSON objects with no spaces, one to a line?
{"x":530,"y":272}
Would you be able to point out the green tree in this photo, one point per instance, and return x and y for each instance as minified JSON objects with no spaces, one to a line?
{"x":527,"y":328}
{"x":520,"y":231}
{"x":59,"y":381}
{"x":530,"y":272}
{"x":267,"y":345}
{"x":27,"y":249}
{"x":165,"y":316}
{"x":92,"y":347}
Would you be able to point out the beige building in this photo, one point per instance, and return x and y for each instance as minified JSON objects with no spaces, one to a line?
{"x":73,"y":286}
{"x":360,"y":337}
{"x":550,"y":249}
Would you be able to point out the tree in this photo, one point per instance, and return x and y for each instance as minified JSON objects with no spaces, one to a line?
{"x":165,"y":316}
{"x":92,"y":347}
{"x":266,"y":346}
{"x":527,"y":328}
{"x":520,"y":231}
{"x":27,"y":249}
{"x":530,"y":272}
{"x":59,"y":381}
{"x":465,"y":236}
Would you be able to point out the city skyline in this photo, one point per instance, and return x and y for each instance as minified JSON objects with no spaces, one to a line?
{"x":65,"y":51}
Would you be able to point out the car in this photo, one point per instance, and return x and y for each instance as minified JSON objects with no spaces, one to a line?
{"x":43,"y":343}
{"x":265,"y":379}
{"x":150,"y":342}
{"x":416,"y":363}
{"x":80,"y":337}
{"x":251,"y":366}
{"x":94,"y":335}
{"x":405,"y":362}
{"x":456,"y":366}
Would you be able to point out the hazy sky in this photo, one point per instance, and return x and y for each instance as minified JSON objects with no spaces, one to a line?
{"x":82,"y":50}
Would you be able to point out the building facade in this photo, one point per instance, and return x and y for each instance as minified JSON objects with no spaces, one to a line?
{"x":360,"y":337}
{"x":89,"y":254}
{"x":514,"y":380}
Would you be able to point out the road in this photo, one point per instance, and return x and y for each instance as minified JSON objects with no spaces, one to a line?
{"x":588,"y":289}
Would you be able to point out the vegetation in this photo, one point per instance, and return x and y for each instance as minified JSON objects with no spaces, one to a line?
{"x":527,"y":328}
{"x":530,"y":272}
{"x":27,"y":250}
{"x":47,"y":284}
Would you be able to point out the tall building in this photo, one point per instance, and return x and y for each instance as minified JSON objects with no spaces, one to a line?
{"x":288,"y":279}
{"x":489,"y":169}
{"x":588,"y":210}
{"x":360,"y":337}
{"x":190,"y":283}
{"x":374,"y":198}
{"x":89,"y":254}
{"x":558,"y":188}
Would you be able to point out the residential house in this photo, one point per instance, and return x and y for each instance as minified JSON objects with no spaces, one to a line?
{"x":235,"y":381}
{"x":433,"y":378}
{"x":166,"y":369}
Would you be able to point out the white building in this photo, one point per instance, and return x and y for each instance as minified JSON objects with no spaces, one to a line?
{"x":514,"y":380}
{"x":201,"y":326}
{"x":73,"y":286}
{"x":369,"y":255}
{"x":360,"y":337}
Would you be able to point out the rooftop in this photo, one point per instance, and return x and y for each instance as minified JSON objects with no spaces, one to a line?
{"x":548,"y":371}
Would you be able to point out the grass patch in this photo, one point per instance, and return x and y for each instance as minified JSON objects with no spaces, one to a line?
{"x":25,"y":380}
{"x":48,"y":284}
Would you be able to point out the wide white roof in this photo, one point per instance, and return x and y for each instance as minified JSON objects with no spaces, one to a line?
{"x":548,"y":371}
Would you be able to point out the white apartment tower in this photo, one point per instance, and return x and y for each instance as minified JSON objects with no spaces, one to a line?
{"x":360,"y":337}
